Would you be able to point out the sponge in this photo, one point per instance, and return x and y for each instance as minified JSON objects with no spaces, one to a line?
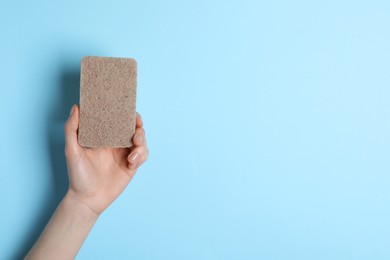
{"x":108,"y":89}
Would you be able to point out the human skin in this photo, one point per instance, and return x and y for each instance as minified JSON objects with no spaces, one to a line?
{"x":97,"y":176}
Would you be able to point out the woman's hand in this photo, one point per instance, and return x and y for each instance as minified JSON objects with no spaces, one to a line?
{"x":97,"y":176}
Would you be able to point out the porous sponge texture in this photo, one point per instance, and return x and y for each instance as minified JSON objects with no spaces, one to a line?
{"x":108,"y":89}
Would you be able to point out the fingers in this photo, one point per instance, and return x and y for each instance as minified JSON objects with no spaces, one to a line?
{"x":71,"y":126}
{"x":138,"y":156}
{"x":139,"y":137}
{"x":138,"y":121}
{"x":140,"y":152}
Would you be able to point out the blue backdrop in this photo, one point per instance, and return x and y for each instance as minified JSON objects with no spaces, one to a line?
{"x":268,"y":124}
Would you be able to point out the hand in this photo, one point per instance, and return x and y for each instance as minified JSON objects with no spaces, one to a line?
{"x":97,"y":176}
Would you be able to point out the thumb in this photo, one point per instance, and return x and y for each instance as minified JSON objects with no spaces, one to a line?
{"x":71,"y":127}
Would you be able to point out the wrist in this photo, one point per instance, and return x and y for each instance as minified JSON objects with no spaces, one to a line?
{"x":66,"y":230}
{"x":77,"y":206}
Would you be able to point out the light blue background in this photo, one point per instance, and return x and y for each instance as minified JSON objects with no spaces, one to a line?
{"x":268,"y":124}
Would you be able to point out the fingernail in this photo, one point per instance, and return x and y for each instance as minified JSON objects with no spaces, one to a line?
{"x":134,"y":157}
{"x":138,"y":139}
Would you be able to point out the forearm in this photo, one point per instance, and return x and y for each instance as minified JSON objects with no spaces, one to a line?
{"x":65,"y":232}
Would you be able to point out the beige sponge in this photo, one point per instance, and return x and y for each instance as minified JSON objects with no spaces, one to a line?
{"x":108,"y":89}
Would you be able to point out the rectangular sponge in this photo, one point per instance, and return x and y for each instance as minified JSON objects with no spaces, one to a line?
{"x":108,"y":89}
